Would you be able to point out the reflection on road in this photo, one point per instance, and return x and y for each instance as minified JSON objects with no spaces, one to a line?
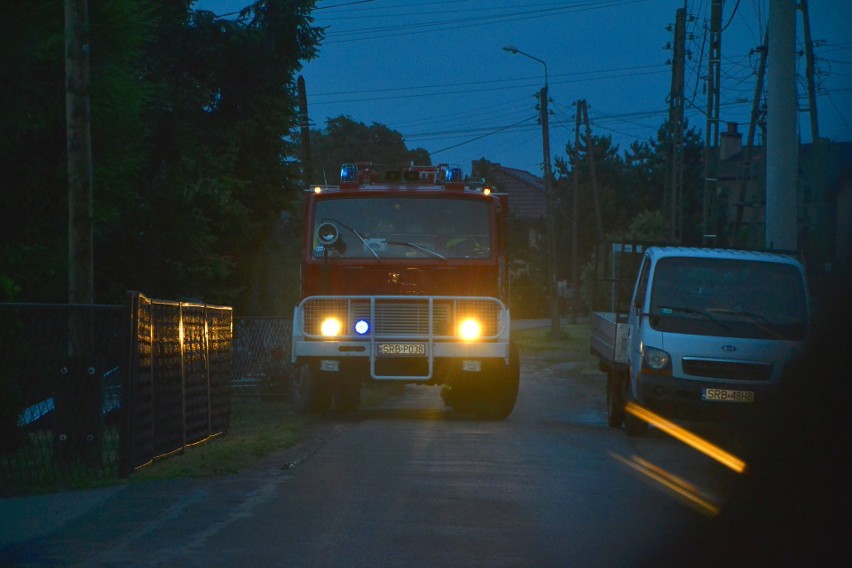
{"x":673,"y":484}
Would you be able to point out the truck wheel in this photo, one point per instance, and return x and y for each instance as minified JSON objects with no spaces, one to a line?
{"x":614,"y":399}
{"x":309,"y":390}
{"x":635,"y":427}
{"x":347,"y":392}
{"x":498,"y":393}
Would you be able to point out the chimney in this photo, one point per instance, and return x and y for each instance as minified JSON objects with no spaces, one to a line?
{"x":730,"y":142}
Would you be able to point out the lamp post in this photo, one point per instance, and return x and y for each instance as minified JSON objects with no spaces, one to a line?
{"x":555,"y":325}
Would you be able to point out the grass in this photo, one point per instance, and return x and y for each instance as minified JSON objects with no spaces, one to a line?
{"x":572,"y":344}
{"x":259,"y":426}
{"x":262,"y":425}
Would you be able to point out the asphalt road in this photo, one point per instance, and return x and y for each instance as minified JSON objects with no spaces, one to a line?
{"x":407,"y":484}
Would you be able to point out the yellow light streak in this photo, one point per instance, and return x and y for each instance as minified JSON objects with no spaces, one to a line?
{"x":704,"y":446}
{"x":680,"y":487}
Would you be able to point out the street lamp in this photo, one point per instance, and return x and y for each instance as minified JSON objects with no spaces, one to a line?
{"x":555,"y":325}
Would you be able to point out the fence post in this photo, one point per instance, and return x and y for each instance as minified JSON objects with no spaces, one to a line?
{"x":78,"y":397}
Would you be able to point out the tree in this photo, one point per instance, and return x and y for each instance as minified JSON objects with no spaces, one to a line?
{"x":191,"y":120}
{"x":33,"y":256}
{"x":652,"y":162}
{"x":344,"y":140}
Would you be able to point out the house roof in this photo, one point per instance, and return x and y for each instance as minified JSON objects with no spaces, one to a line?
{"x":527,"y":199}
{"x":835,"y":162}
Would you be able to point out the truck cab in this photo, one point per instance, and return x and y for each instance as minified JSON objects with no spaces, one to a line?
{"x":404,"y":277}
{"x":707,"y":333}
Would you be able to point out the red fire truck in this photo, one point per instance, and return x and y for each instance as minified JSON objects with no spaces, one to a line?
{"x":404,"y":277}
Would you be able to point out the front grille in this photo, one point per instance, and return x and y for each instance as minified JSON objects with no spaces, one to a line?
{"x":403,"y":316}
{"x":733,"y":370}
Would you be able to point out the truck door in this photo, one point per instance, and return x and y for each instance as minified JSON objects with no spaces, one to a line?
{"x":634,"y":320}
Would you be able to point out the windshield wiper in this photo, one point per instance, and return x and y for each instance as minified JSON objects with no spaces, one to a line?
{"x":422,"y":249}
{"x":692,"y":311}
{"x":757,"y":319}
{"x":360,"y":237}
{"x":748,"y":315}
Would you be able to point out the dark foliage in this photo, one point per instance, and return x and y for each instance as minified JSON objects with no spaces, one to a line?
{"x":191,"y":115}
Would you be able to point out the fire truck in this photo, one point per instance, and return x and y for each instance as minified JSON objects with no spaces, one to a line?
{"x":404,"y":278}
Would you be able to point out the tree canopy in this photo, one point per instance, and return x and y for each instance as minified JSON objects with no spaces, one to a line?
{"x":191,"y":121}
{"x":195,"y":158}
{"x":344,"y":140}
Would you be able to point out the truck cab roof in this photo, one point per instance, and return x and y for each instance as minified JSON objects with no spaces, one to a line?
{"x":786,"y":257}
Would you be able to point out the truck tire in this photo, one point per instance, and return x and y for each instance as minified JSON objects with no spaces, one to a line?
{"x":614,"y":399}
{"x":310,"y":392}
{"x":498,"y":393}
{"x":636,"y":428}
{"x":456,"y":397}
{"x":347,"y":392}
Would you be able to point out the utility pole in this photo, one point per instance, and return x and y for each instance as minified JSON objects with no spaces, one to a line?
{"x":752,"y":127}
{"x":78,"y":422}
{"x":550,"y":197}
{"x":79,"y":147}
{"x":675,"y":193}
{"x":711,"y":142}
{"x":810,"y":71}
{"x":583,"y":112}
{"x":782,"y":152}
{"x":575,"y":262}
{"x":307,"y":167}
{"x":555,"y":320}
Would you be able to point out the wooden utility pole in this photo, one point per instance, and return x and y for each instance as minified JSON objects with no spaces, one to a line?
{"x":555,"y":317}
{"x":79,"y":146}
{"x":810,"y":71}
{"x":674,"y":197}
{"x":752,"y":127}
{"x":711,"y":142}
{"x":575,"y":262}
{"x":78,"y":423}
{"x":583,"y":112}
{"x":307,"y":167}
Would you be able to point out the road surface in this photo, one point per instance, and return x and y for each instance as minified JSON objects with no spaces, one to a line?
{"x":410,"y":484}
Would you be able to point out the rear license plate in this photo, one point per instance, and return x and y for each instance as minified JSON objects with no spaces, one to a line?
{"x":401,"y":349}
{"x":727,"y":395}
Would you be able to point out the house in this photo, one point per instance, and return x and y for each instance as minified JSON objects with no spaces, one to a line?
{"x":527,"y":213}
{"x":824,"y":198}
{"x":527,"y":199}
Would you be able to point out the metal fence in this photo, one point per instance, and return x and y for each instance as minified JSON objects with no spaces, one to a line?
{"x":261,"y":356}
{"x":92,"y":392}
{"x":60,"y":393}
{"x":180,"y":364}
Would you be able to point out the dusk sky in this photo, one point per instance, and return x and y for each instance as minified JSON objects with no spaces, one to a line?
{"x":435,"y":71}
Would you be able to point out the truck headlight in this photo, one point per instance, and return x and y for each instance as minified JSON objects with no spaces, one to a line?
{"x":469,"y":329}
{"x":656,"y":360}
{"x":331,"y":327}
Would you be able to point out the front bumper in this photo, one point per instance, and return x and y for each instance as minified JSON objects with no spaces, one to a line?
{"x":682,"y":398}
{"x":424,"y":328}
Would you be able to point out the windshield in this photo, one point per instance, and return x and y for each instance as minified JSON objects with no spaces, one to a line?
{"x":734,"y":298}
{"x":411,"y":227}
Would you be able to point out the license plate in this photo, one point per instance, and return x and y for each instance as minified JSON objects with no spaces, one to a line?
{"x":727,"y":395}
{"x":401,"y":349}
